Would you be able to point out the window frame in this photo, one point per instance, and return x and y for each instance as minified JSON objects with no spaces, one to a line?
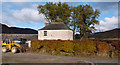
{"x":45,"y":33}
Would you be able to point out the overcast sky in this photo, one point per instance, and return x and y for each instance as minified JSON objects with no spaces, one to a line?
{"x":25,"y":14}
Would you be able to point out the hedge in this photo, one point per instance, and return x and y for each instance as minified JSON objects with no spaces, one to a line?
{"x":103,"y":47}
{"x":76,"y":47}
{"x":116,"y":44}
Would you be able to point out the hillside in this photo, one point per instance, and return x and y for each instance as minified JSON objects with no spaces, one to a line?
{"x":16,"y":30}
{"x":107,"y":34}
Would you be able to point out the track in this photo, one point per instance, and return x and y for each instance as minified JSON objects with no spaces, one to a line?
{"x":41,"y":58}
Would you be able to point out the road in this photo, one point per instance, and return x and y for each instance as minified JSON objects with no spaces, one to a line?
{"x":41,"y":58}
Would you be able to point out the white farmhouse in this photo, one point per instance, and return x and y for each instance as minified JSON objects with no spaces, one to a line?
{"x":55,"y":31}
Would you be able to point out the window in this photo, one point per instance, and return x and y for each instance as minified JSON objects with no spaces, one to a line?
{"x":45,"y":33}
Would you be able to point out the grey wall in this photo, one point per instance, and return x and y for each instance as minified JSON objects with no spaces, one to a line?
{"x":26,"y":36}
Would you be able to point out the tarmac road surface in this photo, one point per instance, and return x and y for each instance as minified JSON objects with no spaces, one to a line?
{"x":41,"y":58}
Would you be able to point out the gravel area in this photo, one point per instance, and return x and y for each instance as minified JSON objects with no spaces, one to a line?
{"x":41,"y":58}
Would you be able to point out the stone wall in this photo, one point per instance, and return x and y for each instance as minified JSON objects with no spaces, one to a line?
{"x":25,"y":36}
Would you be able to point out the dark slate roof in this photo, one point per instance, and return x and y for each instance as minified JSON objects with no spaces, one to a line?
{"x":56,"y":26}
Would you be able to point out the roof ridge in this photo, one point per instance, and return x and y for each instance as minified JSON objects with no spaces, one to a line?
{"x":56,"y":26}
{"x":57,"y":23}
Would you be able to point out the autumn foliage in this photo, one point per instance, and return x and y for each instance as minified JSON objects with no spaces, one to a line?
{"x":116,"y":44}
{"x":76,"y":47}
{"x":103,"y":47}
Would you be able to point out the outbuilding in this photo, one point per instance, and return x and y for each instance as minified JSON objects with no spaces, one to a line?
{"x":55,"y":31}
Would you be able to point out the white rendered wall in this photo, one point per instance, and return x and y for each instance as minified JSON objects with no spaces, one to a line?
{"x":29,"y":43}
{"x":55,"y":35}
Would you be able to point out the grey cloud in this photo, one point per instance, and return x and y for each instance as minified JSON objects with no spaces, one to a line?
{"x":28,"y":15}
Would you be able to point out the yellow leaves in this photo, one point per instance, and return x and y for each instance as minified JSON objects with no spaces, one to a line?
{"x":103,"y":47}
{"x":85,"y":46}
{"x":35,"y":44}
{"x":66,"y":46}
{"x":96,"y":22}
{"x":77,"y":46}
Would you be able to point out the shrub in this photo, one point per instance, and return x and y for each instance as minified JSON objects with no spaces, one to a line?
{"x":35,"y":44}
{"x":103,"y":47}
{"x":87,"y":47}
{"x":90,"y":47}
{"x":66,"y":46}
{"x":116,"y":44}
{"x":83,"y":47}
{"x":52,"y":45}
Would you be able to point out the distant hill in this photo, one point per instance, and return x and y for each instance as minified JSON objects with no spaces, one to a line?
{"x":16,"y":30}
{"x":115,"y":33}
